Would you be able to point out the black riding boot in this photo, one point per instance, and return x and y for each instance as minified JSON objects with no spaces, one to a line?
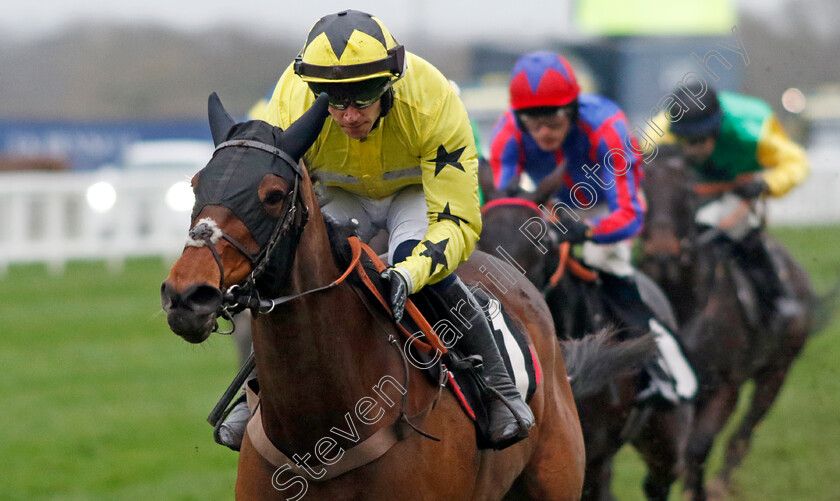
{"x":510,"y":419}
{"x":657,"y":384}
{"x":778,"y":299}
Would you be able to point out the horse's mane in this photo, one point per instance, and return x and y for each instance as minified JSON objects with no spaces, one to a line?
{"x":338,"y":232}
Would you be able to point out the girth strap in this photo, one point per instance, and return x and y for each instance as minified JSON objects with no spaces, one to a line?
{"x":365,"y":452}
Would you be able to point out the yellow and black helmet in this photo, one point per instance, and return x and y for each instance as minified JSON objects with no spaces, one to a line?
{"x":349,"y":46}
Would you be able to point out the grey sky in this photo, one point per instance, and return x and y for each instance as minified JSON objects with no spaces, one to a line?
{"x":476,"y":17}
{"x":444,"y":18}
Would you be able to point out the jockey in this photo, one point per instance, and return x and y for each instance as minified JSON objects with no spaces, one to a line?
{"x":573,"y":146}
{"x":397,"y":153}
{"x":740,"y":153}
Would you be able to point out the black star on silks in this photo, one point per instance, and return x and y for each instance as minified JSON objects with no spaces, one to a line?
{"x":435,"y":252}
{"x":339,"y":27}
{"x":446,"y":214}
{"x":445,"y":158}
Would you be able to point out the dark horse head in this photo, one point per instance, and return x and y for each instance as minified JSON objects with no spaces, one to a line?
{"x":262,"y":226}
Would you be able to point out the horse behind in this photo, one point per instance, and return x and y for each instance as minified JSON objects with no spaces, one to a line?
{"x":515,"y":229}
{"x":725,"y":341}
{"x":329,"y":374}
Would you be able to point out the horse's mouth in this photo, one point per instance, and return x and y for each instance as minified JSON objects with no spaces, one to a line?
{"x":190,"y":326}
{"x":192,"y":313}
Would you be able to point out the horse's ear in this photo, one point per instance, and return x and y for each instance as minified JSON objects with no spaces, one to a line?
{"x":220,"y":120}
{"x":303,"y":132}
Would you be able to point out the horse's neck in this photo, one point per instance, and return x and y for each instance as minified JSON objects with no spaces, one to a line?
{"x":318,"y":355}
{"x":685,"y":293}
{"x":716,"y":288}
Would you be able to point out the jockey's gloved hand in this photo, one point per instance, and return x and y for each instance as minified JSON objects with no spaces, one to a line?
{"x":399,"y":292}
{"x":577,"y":232}
{"x":751,"y":190}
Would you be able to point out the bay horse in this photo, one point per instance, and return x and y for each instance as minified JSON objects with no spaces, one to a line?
{"x":715,"y":303}
{"x":606,"y":398}
{"x":329,"y":374}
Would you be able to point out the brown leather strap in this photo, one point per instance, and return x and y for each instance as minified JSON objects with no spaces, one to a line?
{"x":574,"y":266}
{"x":433,"y":341}
{"x":582,"y":272}
{"x":359,"y":455}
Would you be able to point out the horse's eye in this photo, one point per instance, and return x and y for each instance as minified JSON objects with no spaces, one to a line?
{"x":274,"y":197}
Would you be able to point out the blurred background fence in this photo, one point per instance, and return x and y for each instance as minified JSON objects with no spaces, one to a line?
{"x":53,"y":217}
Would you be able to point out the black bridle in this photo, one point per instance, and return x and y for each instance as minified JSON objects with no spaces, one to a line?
{"x":245,"y":294}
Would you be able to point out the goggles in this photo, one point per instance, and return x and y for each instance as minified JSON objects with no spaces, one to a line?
{"x":546,"y":117}
{"x":359,"y":95}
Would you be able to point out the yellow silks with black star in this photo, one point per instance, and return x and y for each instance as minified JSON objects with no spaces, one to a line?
{"x":425,"y":139}
{"x":339,"y":41}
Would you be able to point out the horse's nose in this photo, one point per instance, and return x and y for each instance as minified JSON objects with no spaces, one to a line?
{"x":199,"y":299}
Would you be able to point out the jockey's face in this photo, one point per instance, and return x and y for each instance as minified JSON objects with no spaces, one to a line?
{"x":697,"y":150}
{"x":356,"y":123}
{"x":549,"y":131}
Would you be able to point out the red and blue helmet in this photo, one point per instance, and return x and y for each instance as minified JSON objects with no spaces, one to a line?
{"x":542,"y":79}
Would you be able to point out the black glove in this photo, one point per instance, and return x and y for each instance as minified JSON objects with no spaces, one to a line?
{"x":577,"y":232}
{"x":399,"y":292}
{"x":751,"y":190}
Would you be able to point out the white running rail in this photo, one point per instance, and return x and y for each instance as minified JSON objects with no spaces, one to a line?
{"x":45,"y":217}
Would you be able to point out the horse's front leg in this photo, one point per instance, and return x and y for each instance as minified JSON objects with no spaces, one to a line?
{"x":662,"y":444}
{"x":710,"y":417}
{"x":767,"y":386}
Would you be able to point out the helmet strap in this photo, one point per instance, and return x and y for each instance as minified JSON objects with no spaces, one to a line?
{"x":387,"y":101}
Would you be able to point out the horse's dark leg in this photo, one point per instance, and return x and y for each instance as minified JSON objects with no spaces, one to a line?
{"x":710,"y":417}
{"x":605,"y":479}
{"x":596,"y":481}
{"x":601,"y":446}
{"x":767,"y":386}
{"x":662,"y":444}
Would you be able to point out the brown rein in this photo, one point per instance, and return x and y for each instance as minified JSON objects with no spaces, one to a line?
{"x":574,"y":266}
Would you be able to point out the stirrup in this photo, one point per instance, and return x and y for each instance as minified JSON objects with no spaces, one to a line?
{"x":454,"y":361}
{"x":231,"y":429}
{"x":502,"y":421}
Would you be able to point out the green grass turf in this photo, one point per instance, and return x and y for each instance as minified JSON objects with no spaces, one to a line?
{"x":102,"y":401}
{"x":796,"y":450}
